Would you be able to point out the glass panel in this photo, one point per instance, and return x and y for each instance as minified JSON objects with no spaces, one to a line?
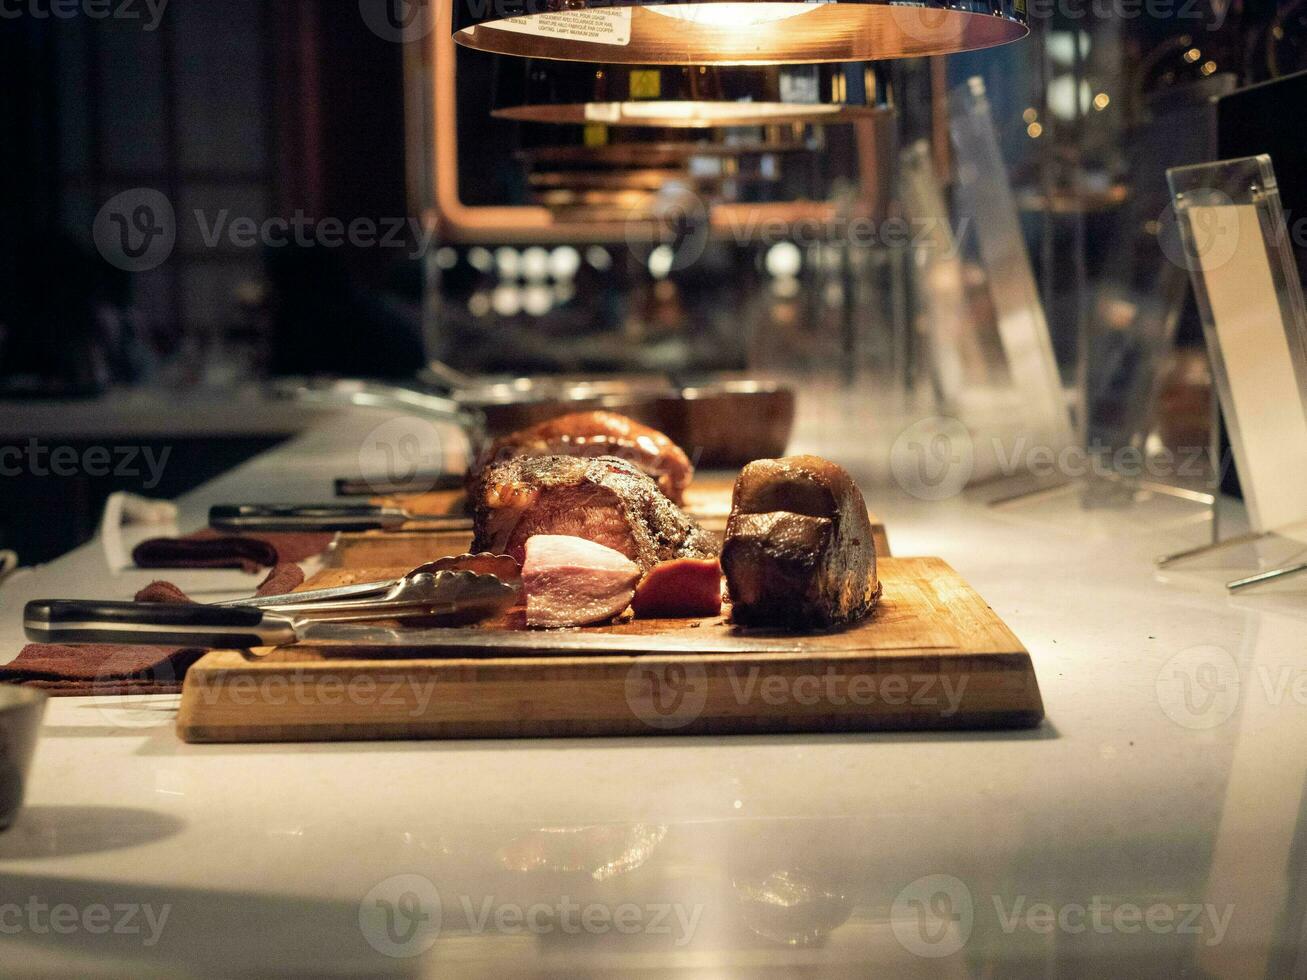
{"x":1139,"y":294}
{"x":1236,"y":247}
{"x":986,"y":205}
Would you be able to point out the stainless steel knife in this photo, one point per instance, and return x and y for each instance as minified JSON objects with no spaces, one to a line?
{"x":328,"y":517}
{"x":464,"y":594}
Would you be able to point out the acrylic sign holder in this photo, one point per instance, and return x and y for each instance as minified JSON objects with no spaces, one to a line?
{"x":1249,"y":296}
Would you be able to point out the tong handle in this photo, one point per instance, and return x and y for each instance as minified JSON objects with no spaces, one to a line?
{"x":153,"y":624}
{"x":311,"y":517}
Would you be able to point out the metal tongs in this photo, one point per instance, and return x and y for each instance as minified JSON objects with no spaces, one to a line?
{"x":469,"y":587}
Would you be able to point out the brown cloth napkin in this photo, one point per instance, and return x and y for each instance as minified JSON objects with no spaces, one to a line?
{"x":106,"y":668}
{"x":211,"y":549}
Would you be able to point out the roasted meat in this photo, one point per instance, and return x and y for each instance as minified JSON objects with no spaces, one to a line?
{"x":591,"y":434}
{"x":605,"y":500}
{"x":572,"y":582}
{"x":799,"y":551}
{"x":680,"y":588}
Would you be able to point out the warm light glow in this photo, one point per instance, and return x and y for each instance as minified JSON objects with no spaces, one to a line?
{"x":708,"y":113}
{"x":1208,"y":67}
{"x":1034,"y":131}
{"x":784,"y":260}
{"x":785,"y":287}
{"x":563,"y":262}
{"x":480,"y":259}
{"x":537,"y":300}
{"x":733,"y":15}
{"x":1030,"y":115}
{"x":507,"y":261}
{"x":734,"y":32}
{"x":1192,"y":55}
{"x":1064,"y":96}
{"x":661,"y":260}
{"x":506,"y":300}
{"x":535,"y":264}
{"x":1102,"y":101}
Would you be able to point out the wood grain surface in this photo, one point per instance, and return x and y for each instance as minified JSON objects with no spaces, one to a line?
{"x":933,"y":655}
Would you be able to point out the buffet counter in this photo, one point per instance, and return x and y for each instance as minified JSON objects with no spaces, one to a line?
{"x":1148,"y":827}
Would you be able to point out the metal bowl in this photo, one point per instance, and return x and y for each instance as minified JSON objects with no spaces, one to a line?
{"x":515,"y":404}
{"x":21,"y":710}
{"x":729,"y":422}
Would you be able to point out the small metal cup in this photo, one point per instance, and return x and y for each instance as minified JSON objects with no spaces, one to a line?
{"x":21,"y":710}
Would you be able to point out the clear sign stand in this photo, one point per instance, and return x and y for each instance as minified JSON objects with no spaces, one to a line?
{"x":987,"y":347}
{"x":997,"y":362}
{"x":984,"y":198}
{"x":1237,"y":251}
{"x":994,"y":361}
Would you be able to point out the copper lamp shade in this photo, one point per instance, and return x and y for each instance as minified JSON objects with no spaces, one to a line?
{"x":652,"y":147}
{"x":695,"y":97}
{"x":567,"y":167}
{"x":742,"y":32}
{"x":661,"y":153}
{"x":645,"y":159}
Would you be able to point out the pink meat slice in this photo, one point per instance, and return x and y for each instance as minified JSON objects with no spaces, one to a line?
{"x":574,"y":582}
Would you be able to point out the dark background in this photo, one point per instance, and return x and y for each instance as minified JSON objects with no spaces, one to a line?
{"x":264,"y":108}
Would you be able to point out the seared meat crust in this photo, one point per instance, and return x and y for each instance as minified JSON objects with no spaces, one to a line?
{"x":590,"y":434}
{"x":605,"y":500}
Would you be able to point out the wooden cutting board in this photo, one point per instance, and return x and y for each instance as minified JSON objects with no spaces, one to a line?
{"x":932,"y":656}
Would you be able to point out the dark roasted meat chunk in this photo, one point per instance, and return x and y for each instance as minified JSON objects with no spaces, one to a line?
{"x":605,"y":500}
{"x":799,"y":551}
{"x":596,"y":434}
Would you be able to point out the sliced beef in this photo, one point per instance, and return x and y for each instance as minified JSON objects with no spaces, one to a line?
{"x":573,"y":582}
{"x":590,"y":434}
{"x":605,"y":500}
{"x":799,"y":551}
{"x":680,"y":588}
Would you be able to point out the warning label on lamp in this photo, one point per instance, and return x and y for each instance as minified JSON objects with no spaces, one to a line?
{"x":591,"y":26}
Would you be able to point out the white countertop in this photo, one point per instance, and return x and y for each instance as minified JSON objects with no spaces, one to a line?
{"x":196,"y":412}
{"x":1134,"y":834}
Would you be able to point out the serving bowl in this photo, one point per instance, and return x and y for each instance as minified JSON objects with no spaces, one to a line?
{"x":21,"y":710}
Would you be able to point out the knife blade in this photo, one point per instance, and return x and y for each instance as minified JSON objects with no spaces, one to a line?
{"x":328,"y":517}
{"x":248,"y":628}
